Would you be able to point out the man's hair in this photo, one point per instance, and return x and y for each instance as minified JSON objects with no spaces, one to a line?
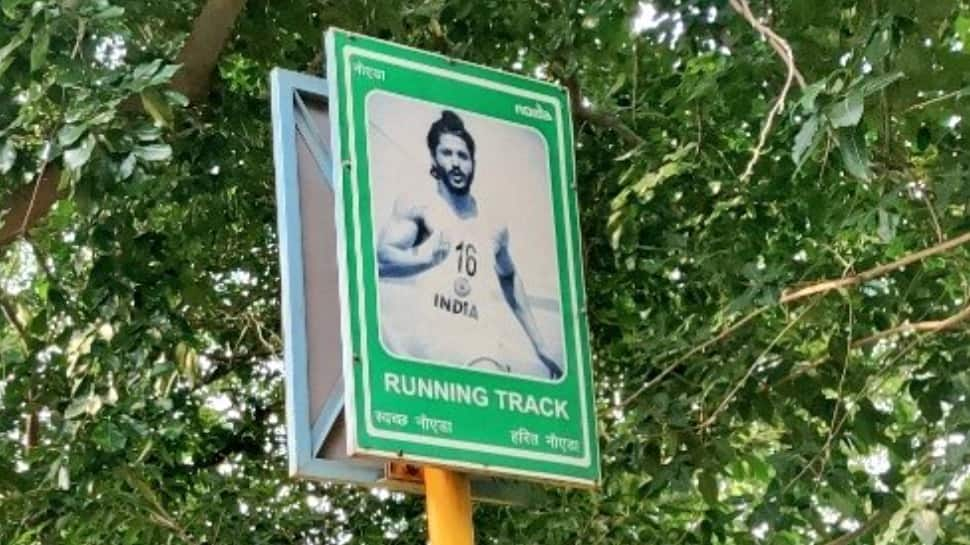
{"x":452,"y":124}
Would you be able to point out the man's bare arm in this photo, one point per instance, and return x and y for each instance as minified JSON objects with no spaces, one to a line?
{"x":515,"y":295}
{"x":397,"y":255}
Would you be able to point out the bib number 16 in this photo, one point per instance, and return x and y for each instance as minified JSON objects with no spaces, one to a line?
{"x":467,"y":262}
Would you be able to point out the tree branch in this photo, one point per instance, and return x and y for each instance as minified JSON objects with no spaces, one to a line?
{"x":878,"y":519}
{"x":783,"y":49}
{"x":602,"y":119}
{"x":929,"y":326}
{"x":199,"y":55}
{"x":201,"y":51}
{"x":30,"y":203}
{"x":157,"y":512}
{"x":223,"y":364}
{"x":789,"y":295}
{"x":960,"y":93}
{"x":10,"y":313}
{"x":825,"y":286}
{"x":751,"y":369}
{"x":726,"y":332}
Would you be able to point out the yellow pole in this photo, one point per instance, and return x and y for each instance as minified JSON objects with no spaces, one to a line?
{"x":449,"y":497}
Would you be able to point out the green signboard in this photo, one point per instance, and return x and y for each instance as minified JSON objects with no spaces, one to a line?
{"x":463,"y":311}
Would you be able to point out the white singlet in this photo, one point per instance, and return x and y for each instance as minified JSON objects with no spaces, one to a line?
{"x":455,"y":312}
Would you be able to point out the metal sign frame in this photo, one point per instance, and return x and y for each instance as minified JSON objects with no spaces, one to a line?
{"x":316,"y":440}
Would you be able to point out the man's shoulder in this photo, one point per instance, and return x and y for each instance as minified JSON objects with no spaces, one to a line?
{"x":409,"y":205}
{"x":494,"y":217}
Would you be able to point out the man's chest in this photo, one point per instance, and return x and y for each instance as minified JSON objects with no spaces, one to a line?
{"x":471,"y":235}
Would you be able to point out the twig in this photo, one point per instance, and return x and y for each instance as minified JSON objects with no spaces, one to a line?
{"x":757,"y":361}
{"x":811,"y":463}
{"x":606,"y":120}
{"x":259,"y":334}
{"x":839,"y":402}
{"x":596,"y":117}
{"x":936,"y":222}
{"x":11,"y":315}
{"x":929,"y":326}
{"x":157,"y":512}
{"x":81,"y":25}
{"x":33,"y":198}
{"x":633,"y":113}
{"x":700,"y":348}
{"x":953,"y":94}
{"x":166,"y":522}
{"x":878,"y":519}
{"x":825,"y":286}
{"x":784,"y":51}
{"x":835,"y":428}
{"x":825,"y":156}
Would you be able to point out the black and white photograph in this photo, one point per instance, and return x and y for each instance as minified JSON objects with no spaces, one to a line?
{"x":464,"y":239}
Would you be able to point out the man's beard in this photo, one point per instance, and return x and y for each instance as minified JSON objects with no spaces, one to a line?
{"x":447,"y":177}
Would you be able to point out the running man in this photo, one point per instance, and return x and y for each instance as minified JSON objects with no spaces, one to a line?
{"x":449,"y":287}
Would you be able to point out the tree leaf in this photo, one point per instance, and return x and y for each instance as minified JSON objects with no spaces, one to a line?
{"x":707,"y":485}
{"x":887,"y":225}
{"x":674,"y":165}
{"x":855,"y":156}
{"x":38,"y":53}
{"x":810,"y":94}
{"x":8,"y":156}
{"x":7,"y":50}
{"x":154,"y":152}
{"x":926,"y":526}
{"x":69,"y":134}
{"x":17,"y":40}
{"x":895,"y":524}
{"x":176,"y":97}
{"x":879,"y":44}
{"x":848,"y":112}
{"x":77,"y":407}
{"x":165,"y":74}
{"x":111,"y":12}
{"x":879,"y":83}
{"x":188,"y":361}
{"x":103,"y":117}
{"x":109,"y":437}
{"x":157,"y":107}
{"x":805,"y":140}
{"x":77,"y":157}
{"x":9,"y":7}
{"x":63,"y":478}
{"x":127,"y":167}
{"x":146,"y":70}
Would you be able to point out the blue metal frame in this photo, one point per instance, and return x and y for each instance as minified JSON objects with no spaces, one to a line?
{"x":301,"y":440}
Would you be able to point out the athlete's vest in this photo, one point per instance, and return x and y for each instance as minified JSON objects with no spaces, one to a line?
{"x":455,"y":312}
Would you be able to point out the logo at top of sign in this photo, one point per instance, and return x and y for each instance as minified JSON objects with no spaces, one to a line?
{"x":368,"y":72}
{"x":535,"y":112}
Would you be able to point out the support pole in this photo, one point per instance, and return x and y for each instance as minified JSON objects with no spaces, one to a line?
{"x":449,"y":497}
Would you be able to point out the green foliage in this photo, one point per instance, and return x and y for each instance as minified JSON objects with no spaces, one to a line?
{"x":138,"y":348}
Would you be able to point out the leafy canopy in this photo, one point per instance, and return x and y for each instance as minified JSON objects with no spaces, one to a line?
{"x":780,"y":357}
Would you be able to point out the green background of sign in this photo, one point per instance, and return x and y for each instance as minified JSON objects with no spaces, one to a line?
{"x":488,"y":426}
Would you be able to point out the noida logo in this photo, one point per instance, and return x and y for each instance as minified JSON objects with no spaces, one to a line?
{"x":535,"y":112}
